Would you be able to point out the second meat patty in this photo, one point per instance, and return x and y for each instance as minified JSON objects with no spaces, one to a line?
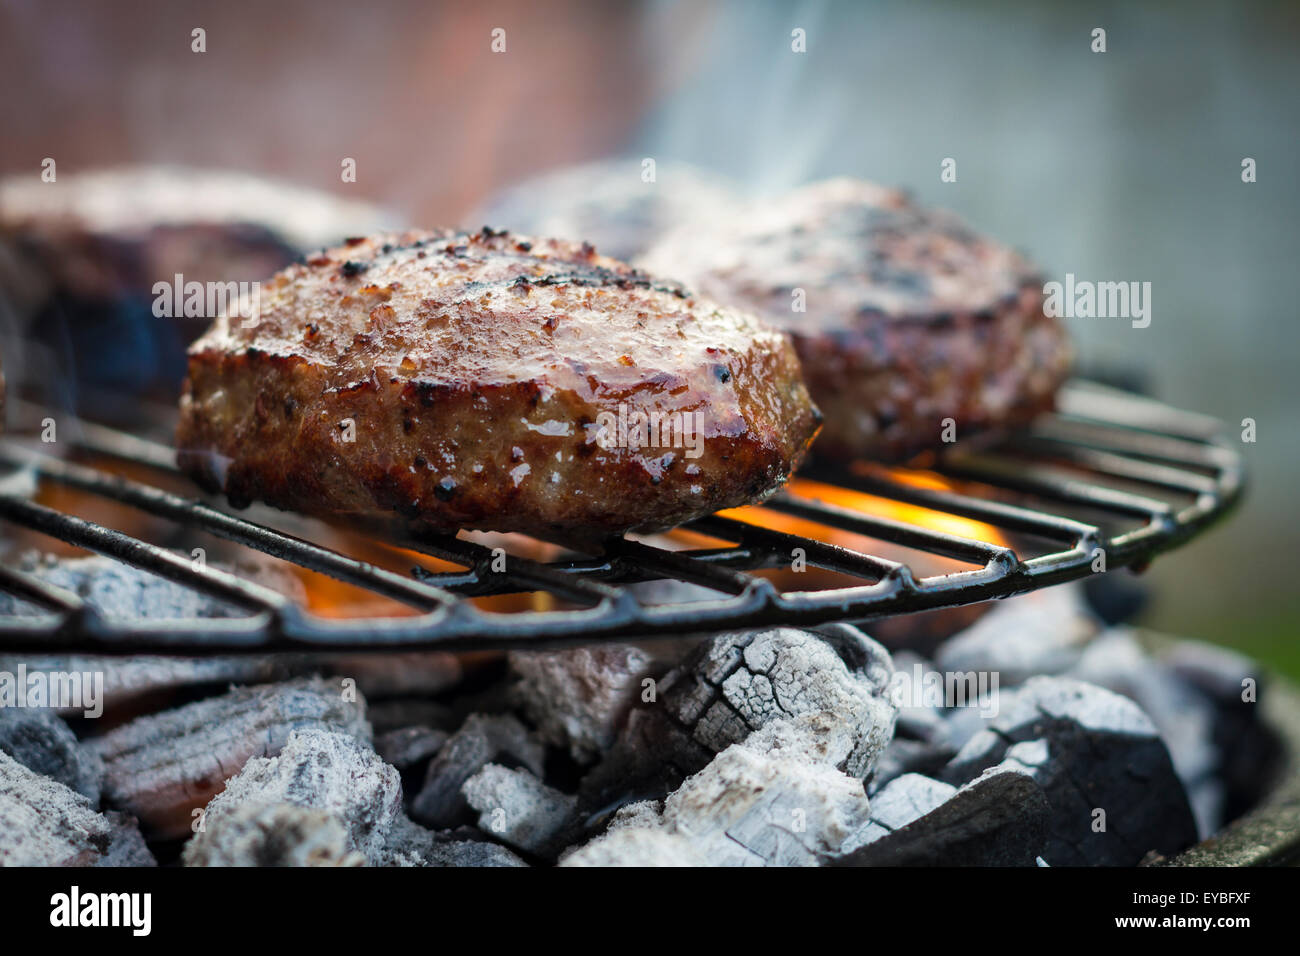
{"x":489,"y":381}
{"x":903,"y":316}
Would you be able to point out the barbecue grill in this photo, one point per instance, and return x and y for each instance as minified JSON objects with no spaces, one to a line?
{"x":1109,"y":474}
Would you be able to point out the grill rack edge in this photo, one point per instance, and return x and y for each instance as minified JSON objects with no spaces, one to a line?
{"x":1097,"y":429}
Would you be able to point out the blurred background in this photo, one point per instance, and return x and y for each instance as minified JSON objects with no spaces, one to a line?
{"x":1123,"y":165}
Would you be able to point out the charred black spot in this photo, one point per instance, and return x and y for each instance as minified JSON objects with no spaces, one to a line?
{"x":445,"y":488}
{"x":419,"y":461}
{"x":722,"y":373}
{"x":352,"y":268}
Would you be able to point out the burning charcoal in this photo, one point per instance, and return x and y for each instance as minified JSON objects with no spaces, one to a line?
{"x":275,"y":834}
{"x":164,"y":766}
{"x":775,"y":799}
{"x":118,"y":590}
{"x":481,"y":740}
{"x":1234,"y":685}
{"x":44,"y":823}
{"x":998,"y":819}
{"x":409,"y":746}
{"x":1108,"y":777}
{"x":1043,"y":632}
{"x":903,"y":800}
{"x":903,"y":756}
{"x":520,"y":810}
{"x":409,"y":844}
{"x":638,"y":846}
{"x":317,"y":769}
{"x":577,"y":698}
{"x":42,"y":742}
{"x":737,"y":683}
{"x":1182,"y":714}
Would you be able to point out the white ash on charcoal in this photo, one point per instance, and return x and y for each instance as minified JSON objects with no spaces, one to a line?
{"x":118,"y":590}
{"x":411,"y":845}
{"x":319,"y":770}
{"x":163,"y":767}
{"x":639,"y":847}
{"x":1234,"y":685}
{"x":578,"y":698}
{"x":1107,"y":775}
{"x":274,"y":834}
{"x":1043,"y":632}
{"x":43,"y":743}
{"x":776,"y":799}
{"x":44,"y":823}
{"x":482,"y":739}
{"x":521,"y":811}
{"x":1183,"y":716}
{"x":998,"y":819}
{"x":907,"y":797}
{"x":738,"y":682}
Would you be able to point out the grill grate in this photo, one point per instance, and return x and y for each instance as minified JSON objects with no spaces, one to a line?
{"x":1108,"y":470}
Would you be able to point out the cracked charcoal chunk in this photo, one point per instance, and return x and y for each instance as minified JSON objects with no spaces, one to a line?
{"x":904,"y":799}
{"x":638,"y":846}
{"x":1092,"y":749}
{"x":318,"y":770}
{"x":274,"y":834}
{"x":44,"y":823}
{"x":520,"y":810}
{"x":577,"y":698}
{"x":738,"y":682}
{"x":163,"y":766}
{"x":43,"y":743}
{"x":481,"y":740}
{"x":998,"y":819}
{"x":774,"y":800}
{"x":411,"y":845}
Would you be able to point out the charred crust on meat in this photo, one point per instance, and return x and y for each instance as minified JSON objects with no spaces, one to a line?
{"x":459,"y":387}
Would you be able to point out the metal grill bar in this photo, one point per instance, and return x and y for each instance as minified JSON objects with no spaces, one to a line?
{"x":1085,"y":462}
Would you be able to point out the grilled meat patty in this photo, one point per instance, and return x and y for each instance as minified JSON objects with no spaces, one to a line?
{"x":909,"y":316}
{"x":488,"y":381}
{"x":80,"y":258}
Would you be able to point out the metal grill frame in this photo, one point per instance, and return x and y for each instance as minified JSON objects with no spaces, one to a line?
{"x":1104,"y":431}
